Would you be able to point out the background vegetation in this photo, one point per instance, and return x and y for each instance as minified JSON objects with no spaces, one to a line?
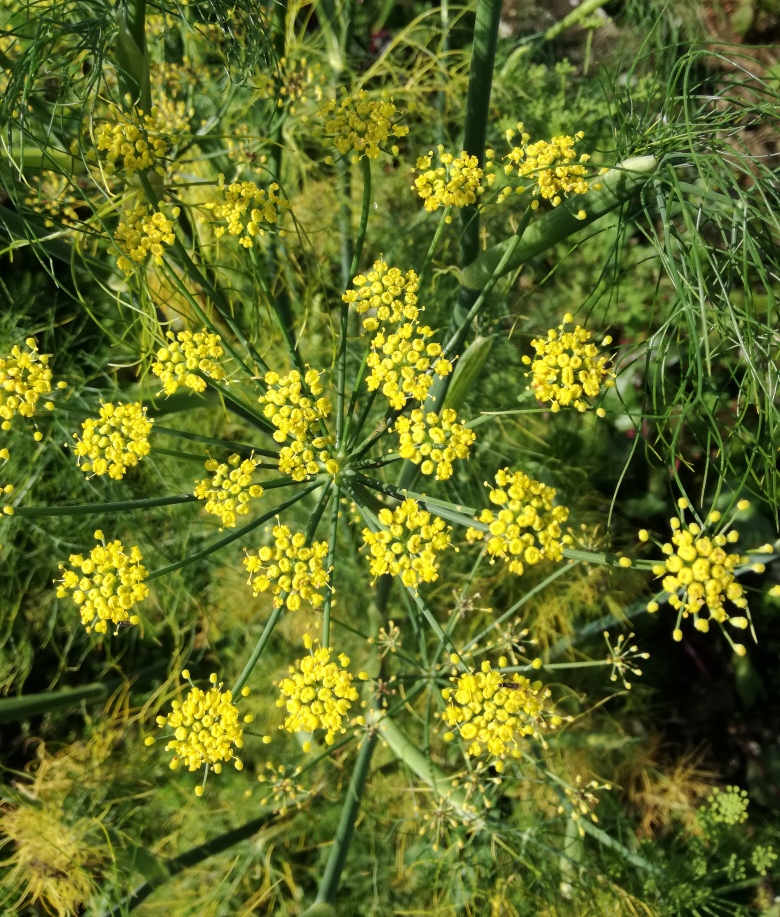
{"x":682,"y":275}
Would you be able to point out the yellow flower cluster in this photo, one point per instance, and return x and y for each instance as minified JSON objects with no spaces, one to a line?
{"x":290,"y":81}
{"x":360,"y":125}
{"x":291,"y":407}
{"x":105,"y":585}
{"x":402,"y":363}
{"x":433,"y":441}
{"x":115,"y":441}
{"x":408,"y":544}
{"x":387,"y":293}
{"x":527,"y":527}
{"x":699,"y":575}
{"x":24,"y":377}
{"x":134,"y":142}
{"x":247,"y":210}
{"x":318,"y":694}
{"x":142,"y":233}
{"x":292,"y":570}
{"x":491,"y":710}
{"x":229,"y":489}
{"x":185,"y":353}
{"x":457,"y":182}
{"x":206,"y":729}
{"x":550,"y":164}
{"x":567,"y":368}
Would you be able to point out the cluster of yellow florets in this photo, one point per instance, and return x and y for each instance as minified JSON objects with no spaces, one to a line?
{"x":409,"y":544}
{"x":185,"y":354}
{"x":699,"y":574}
{"x":291,"y":407}
{"x":526,"y":529}
{"x":134,"y":142}
{"x":433,"y":441}
{"x":105,"y":585}
{"x":229,"y":489}
{"x":290,"y":81}
{"x":387,"y":293}
{"x":361,"y":125}
{"x":551,"y":165}
{"x":206,"y":729}
{"x":492,"y":710}
{"x":142,"y":233}
{"x":567,"y":368}
{"x":292,"y":570}
{"x":24,"y":377}
{"x":115,"y":441}
{"x":402,"y":363}
{"x":247,"y":210}
{"x":457,"y":182}
{"x":318,"y":694}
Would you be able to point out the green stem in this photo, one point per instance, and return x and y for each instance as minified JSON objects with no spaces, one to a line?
{"x":329,"y":884}
{"x":327,"y":604}
{"x":240,"y":448}
{"x":434,"y":244}
{"x":341,"y":389}
{"x":258,"y":650}
{"x":581,"y":12}
{"x":245,"y":530}
{"x":87,"y":509}
{"x":483,"y":55}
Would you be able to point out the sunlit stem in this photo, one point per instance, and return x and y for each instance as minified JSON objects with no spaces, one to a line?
{"x":341,"y":360}
{"x":87,"y":509}
{"x":240,"y":448}
{"x":348,"y":436}
{"x":329,"y":884}
{"x":434,"y":625}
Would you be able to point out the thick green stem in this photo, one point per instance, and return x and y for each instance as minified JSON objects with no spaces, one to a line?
{"x":618,"y":185}
{"x":329,"y":884}
{"x":577,"y":15}
{"x":483,"y":56}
